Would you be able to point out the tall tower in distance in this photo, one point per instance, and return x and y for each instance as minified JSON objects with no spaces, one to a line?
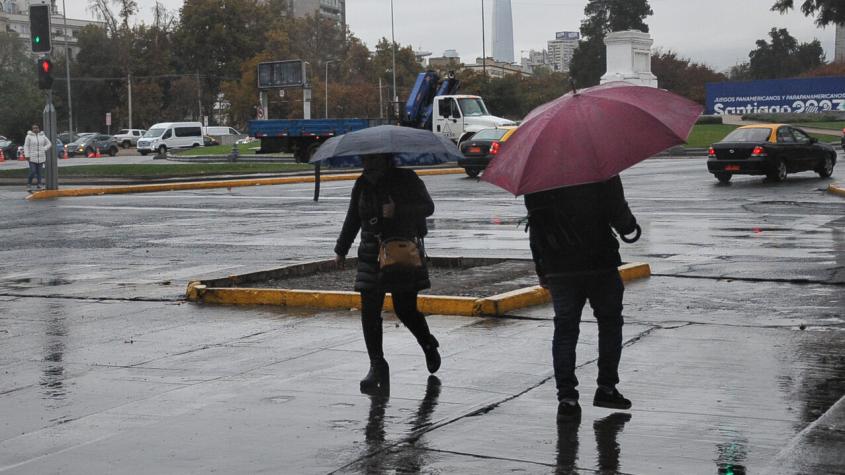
{"x":502,"y":31}
{"x":839,"y":49}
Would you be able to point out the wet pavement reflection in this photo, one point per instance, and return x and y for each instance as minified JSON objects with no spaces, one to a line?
{"x":408,"y":456}
{"x":608,"y":450}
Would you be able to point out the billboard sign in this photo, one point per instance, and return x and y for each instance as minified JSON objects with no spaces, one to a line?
{"x":567,"y":35}
{"x":278,"y":74}
{"x":798,"y":96}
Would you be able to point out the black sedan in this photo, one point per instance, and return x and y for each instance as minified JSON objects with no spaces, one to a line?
{"x":479,"y":149}
{"x":773,"y":150}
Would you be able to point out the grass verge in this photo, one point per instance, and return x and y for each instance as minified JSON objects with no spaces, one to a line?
{"x":703,"y":135}
{"x":243,"y":149}
{"x":164,"y":171}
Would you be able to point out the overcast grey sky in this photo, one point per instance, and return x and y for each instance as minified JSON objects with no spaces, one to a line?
{"x":719,"y":33}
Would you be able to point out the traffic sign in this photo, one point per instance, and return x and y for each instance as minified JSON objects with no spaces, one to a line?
{"x":108,"y":118}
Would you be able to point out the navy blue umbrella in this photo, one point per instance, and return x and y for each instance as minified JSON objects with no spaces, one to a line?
{"x":407,"y":145}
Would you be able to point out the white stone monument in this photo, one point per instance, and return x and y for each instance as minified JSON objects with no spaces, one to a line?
{"x":629,"y":58}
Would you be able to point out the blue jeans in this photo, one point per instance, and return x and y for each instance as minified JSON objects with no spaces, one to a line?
{"x":34,"y":171}
{"x":604,"y":291}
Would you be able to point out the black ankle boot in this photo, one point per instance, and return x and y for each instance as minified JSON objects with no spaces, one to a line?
{"x":377,"y":378}
{"x":432,"y":357}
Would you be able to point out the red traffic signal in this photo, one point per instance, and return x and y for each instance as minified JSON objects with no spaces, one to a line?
{"x":45,"y":73}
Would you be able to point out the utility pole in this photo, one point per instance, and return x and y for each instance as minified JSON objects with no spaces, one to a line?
{"x":129,"y":83}
{"x":393,"y":46}
{"x":327,"y":87}
{"x":483,"y":43}
{"x":380,"y":100}
{"x":199,"y":98}
{"x":67,"y":75}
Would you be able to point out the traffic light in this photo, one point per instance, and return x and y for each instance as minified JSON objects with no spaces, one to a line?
{"x":45,"y":73}
{"x":39,"y":28}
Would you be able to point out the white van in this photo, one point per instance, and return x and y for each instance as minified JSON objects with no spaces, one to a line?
{"x":223,"y":134}
{"x":167,"y":135}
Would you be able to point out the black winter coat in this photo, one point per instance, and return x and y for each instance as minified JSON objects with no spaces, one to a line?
{"x":570,"y":228}
{"x":413,"y":205}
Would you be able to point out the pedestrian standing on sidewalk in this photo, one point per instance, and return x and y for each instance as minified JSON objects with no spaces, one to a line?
{"x":35,"y":147}
{"x":387,"y":203}
{"x":576,"y":256}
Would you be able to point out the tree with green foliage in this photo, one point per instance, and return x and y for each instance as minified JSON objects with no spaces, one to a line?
{"x":827,"y":12}
{"x":22,"y":101}
{"x":682,"y":76}
{"x":603,"y":17}
{"x":784,"y":57}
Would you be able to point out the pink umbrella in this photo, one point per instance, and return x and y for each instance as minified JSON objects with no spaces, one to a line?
{"x":590,"y":136}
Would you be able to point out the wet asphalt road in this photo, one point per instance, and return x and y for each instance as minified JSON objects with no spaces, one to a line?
{"x":734,"y":347}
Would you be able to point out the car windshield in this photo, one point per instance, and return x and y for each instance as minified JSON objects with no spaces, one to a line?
{"x":472,"y":107}
{"x":748,"y":135}
{"x":490,"y":134}
{"x":153,"y":133}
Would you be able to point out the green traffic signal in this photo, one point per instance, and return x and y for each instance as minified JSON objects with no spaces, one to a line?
{"x":37,"y":39}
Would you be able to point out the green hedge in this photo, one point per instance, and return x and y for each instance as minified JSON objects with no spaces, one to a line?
{"x":796,"y":118}
{"x":709,"y":119}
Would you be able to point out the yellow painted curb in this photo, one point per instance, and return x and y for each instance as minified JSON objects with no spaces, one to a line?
{"x":496,"y":305}
{"x":199,"y":185}
{"x":836,"y":190}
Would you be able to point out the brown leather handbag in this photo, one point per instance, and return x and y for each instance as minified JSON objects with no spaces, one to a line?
{"x":399,"y":253}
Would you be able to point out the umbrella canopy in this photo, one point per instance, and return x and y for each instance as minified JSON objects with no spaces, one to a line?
{"x":409,"y":147}
{"x":590,"y":136}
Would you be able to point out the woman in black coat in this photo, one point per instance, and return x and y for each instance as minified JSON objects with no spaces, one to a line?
{"x":387,"y":202}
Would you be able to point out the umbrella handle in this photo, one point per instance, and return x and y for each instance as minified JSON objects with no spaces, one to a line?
{"x":638,"y":232}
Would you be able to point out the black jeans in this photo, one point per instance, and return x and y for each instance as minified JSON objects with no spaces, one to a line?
{"x":604,"y":291}
{"x":405,"y":307}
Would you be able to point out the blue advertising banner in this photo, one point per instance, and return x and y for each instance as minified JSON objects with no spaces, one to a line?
{"x":800,"y":96}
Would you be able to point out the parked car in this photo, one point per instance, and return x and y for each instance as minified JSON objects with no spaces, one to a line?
{"x":88,"y":144}
{"x":10,"y":148}
{"x":479,"y":149}
{"x":65,"y":136}
{"x":129,"y":137}
{"x":773,"y":150}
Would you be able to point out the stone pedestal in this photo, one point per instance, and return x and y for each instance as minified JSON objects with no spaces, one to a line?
{"x":629,"y":58}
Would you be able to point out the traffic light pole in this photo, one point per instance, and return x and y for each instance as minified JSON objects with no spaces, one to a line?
{"x":52,"y":155}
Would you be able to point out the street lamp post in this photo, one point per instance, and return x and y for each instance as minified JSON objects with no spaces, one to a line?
{"x":327,"y":86}
{"x":483,"y":44}
{"x":67,"y":74}
{"x":393,"y":47}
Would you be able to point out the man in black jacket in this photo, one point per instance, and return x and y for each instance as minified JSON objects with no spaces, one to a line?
{"x":576,"y":256}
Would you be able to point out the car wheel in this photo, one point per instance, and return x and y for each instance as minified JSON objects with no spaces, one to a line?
{"x":472,"y":172}
{"x":144,"y":153}
{"x":126,"y":144}
{"x":162,"y":150}
{"x":89,"y":151}
{"x":826,"y":168}
{"x":112,"y":151}
{"x":778,"y":172}
{"x":723,"y":177}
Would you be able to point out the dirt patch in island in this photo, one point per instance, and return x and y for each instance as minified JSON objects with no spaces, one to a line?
{"x":476,"y":281}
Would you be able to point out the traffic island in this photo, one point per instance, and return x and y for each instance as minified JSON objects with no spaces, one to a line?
{"x":460,"y":286}
{"x":198,"y":185}
{"x":836,"y":189}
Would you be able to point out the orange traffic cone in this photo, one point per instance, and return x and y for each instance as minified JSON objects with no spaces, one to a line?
{"x":2,"y":156}
{"x":64,"y":155}
{"x":97,"y":155}
{"x":21,"y":156}
{"x":90,"y":154}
